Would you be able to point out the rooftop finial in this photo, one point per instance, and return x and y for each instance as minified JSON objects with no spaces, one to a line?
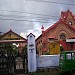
{"x":42,"y":28}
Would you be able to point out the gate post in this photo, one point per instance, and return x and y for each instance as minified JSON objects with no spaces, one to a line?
{"x":31,"y":49}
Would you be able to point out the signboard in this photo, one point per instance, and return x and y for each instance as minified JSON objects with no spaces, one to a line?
{"x":54,"y":48}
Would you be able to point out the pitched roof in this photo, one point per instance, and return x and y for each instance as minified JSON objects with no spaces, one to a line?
{"x":10,"y":31}
{"x":38,"y":37}
{"x":55,"y":25}
{"x":32,"y":34}
{"x":59,"y":22}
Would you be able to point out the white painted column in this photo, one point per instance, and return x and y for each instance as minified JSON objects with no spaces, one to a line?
{"x":31,"y":49}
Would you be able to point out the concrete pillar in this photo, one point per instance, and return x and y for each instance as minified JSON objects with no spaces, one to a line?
{"x":31,"y":49}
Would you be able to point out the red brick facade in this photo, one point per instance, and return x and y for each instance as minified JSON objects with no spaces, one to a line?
{"x":61,"y":30}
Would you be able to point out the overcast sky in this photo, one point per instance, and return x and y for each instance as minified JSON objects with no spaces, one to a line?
{"x":27,"y":16}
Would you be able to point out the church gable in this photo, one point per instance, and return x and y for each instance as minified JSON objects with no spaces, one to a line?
{"x":61,"y":30}
{"x":10,"y":35}
{"x":70,"y":19}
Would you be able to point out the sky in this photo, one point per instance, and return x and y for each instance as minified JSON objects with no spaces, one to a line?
{"x":28,"y":16}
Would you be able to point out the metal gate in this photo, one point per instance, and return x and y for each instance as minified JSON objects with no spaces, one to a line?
{"x":19,"y":64}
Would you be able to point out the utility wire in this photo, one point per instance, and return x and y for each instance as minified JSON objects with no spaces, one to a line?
{"x":28,"y":17}
{"x":43,"y":16}
{"x":50,"y":2}
{"x":25,"y":20}
{"x":26,"y":12}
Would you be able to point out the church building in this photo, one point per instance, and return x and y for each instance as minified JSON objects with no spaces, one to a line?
{"x":63,"y":29}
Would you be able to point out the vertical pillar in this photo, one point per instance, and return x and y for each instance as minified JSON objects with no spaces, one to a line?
{"x":31,"y":49}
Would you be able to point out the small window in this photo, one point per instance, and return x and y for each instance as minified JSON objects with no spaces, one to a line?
{"x":62,"y":56}
{"x":62,"y":36}
{"x":68,"y":56}
{"x":73,"y":56}
{"x":70,"y":23}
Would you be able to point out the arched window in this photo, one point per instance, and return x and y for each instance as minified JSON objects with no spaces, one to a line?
{"x":62,"y":36}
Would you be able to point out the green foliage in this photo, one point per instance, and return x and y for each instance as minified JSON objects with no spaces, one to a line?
{"x":9,"y":48}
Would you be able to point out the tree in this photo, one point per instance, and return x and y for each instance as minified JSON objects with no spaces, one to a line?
{"x":9,"y":48}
